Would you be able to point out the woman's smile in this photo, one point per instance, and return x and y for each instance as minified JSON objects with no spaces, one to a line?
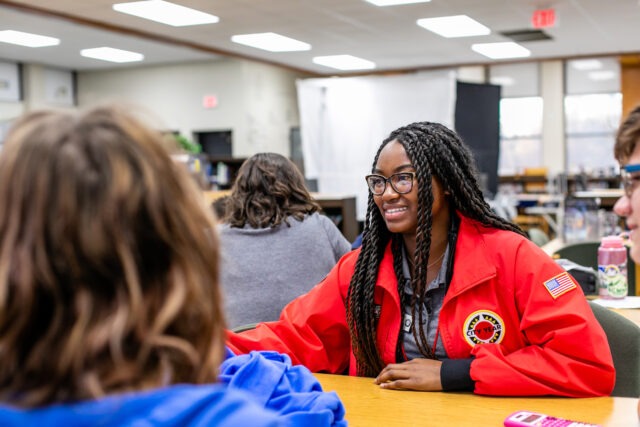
{"x":394,"y":213}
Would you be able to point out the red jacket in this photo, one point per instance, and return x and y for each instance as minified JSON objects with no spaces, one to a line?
{"x":511,"y":306}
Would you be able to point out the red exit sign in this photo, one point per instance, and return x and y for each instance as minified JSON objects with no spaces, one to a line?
{"x":209,"y":101}
{"x":543,"y":18}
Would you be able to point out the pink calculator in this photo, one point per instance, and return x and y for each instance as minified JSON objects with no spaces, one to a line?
{"x":527,"y":419}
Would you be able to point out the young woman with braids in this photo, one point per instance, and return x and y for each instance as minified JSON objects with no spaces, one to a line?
{"x":443,"y":294}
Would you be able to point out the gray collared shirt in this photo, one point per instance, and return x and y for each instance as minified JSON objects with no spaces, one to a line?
{"x":430,"y":309}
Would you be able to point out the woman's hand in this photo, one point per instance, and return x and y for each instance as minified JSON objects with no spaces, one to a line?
{"x":416,"y":374}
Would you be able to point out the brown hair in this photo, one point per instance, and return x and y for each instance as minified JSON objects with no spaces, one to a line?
{"x":628,"y":136}
{"x":219,"y":207}
{"x":269,"y":189}
{"x":108,"y":262}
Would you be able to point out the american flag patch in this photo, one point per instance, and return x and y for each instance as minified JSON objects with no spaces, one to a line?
{"x":560,"y":284}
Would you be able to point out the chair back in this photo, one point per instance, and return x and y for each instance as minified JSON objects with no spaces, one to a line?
{"x":624,"y":340}
{"x":537,"y":236}
{"x":539,"y":186}
{"x":583,"y":253}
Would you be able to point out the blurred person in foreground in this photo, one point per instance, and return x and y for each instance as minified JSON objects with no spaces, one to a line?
{"x":627,"y":152}
{"x":110,"y":306}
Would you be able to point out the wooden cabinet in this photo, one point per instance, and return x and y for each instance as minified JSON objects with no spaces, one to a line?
{"x":342,"y":211}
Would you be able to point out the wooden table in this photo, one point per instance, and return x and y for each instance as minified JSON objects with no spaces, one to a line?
{"x":368,"y":405}
{"x":632,"y":314}
{"x":345,"y":208}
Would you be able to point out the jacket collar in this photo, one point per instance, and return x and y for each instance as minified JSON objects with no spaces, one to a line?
{"x":472,"y":262}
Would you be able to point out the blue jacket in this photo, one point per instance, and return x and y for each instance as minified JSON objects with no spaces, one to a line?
{"x":258,"y":389}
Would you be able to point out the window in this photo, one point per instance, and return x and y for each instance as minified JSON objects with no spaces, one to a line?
{"x":520,"y":134}
{"x":520,"y":117}
{"x":593,"y":110}
{"x":592,"y":121}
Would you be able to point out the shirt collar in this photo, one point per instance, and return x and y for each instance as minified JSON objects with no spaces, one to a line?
{"x":440,"y":279}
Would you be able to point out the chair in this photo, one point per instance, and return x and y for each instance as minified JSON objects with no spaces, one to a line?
{"x":586,"y":254}
{"x":537,"y":236}
{"x":583,"y":253}
{"x":624,"y":340}
{"x":529,"y":222}
{"x":535,"y":180}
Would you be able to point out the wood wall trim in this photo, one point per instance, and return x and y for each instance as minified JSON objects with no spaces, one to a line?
{"x":629,"y":82}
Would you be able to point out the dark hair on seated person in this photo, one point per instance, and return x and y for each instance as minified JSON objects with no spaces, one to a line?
{"x":219,"y":207}
{"x":268,"y":190}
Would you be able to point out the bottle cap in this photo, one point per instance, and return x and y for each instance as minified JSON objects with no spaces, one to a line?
{"x":612,"y":242}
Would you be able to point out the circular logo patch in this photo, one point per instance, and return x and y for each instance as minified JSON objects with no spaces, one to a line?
{"x":483,"y":327}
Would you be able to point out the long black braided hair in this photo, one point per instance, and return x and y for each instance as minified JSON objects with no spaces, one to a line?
{"x":434,"y":151}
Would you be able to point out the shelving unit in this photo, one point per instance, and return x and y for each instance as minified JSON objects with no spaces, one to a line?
{"x":572,"y":181}
{"x":233,"y":165}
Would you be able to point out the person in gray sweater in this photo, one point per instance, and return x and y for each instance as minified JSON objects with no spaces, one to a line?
{"x":275,"y":244}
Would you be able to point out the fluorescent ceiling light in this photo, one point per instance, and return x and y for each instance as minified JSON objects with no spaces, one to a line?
{"x":344,"y":62}
{"x":602,"y":75}
{"x":586,"y":64}
{"x":112,"y":55}
{"x":270,"y":41}
{"x":395,"y":2}
{"x":454,"y":26}
{"x":501,"y":50}
{"x":166,"y":13}
{"x":27,"y":39}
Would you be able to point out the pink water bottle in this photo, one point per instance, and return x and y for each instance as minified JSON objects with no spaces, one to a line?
{"x":612,"y":267}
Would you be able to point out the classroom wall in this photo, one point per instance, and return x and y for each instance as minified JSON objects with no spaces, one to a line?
{"x":36,"y":85}
{"x":10,"y":110}
{"x":472,"y":74}
{"x":41,"y":87}
{"x":270,"y":108}
{"x":256,"y":101}
{"x":553,"y":133}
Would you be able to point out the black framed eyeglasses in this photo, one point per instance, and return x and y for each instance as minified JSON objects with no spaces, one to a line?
{"x":401,"y":182}
{"x":630,"y":181}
